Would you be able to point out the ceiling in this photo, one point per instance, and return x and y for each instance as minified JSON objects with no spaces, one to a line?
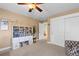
{"x":49,"y":9}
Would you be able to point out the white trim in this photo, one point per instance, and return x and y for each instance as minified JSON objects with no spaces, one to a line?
{"x":49,"y":42}
{"x":2,"y":49}
{"x":67,"y":16}
{"x":55,"y":44}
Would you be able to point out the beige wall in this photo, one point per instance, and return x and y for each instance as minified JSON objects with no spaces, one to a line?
{"x":65,"y":13}
{"x":14,"y":19}
{"x":58,"y":15}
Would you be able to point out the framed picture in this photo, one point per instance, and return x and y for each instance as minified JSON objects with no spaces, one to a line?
{"x":4,"y":25}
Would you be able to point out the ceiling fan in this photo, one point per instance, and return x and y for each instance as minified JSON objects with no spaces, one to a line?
{"x":32,"y":6}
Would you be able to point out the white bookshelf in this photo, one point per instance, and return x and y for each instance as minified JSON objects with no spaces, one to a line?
{"x":16,"y":41}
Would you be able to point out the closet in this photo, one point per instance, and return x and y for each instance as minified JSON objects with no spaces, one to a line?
{"x":64,"y":28}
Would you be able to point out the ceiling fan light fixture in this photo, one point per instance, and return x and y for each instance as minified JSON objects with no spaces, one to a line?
{"x":31,"y":5}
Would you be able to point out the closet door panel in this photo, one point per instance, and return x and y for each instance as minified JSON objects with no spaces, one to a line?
{"x":72,"y":29}
{"x":57,"y":32}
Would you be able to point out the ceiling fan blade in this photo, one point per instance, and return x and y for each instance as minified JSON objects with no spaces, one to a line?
{"x":22,"y":3}
{"x":39,"y":9}
{"x":30,"y":10}
{"x":28,"y":3}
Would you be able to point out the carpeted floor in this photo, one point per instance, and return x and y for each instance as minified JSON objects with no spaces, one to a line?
{"x":41,"y":48}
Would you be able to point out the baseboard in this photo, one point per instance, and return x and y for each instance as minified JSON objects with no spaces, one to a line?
{"x":49,"y":42}
{"x":6,"y":48}
{"x":55,"y":44}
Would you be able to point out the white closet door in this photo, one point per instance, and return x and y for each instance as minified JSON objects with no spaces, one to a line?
{"x":64,"y":28}
{"x":42,"y":29}
{"x":72,"y":29}
{"x":57,"y":31}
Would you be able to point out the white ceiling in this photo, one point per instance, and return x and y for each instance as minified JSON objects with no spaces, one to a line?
{"x":49,"y":9}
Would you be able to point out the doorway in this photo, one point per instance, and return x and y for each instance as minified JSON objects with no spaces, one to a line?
{"x":43,"y":31}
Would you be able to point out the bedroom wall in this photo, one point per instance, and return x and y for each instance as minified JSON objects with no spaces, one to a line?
{"x":76,"y":10}
{"x":14,"y":20}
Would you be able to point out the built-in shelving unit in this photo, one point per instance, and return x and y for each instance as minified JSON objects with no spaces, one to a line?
{"x":22,"y":36}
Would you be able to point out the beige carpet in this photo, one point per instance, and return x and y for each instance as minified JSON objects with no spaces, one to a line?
{"x":41,"y":48}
